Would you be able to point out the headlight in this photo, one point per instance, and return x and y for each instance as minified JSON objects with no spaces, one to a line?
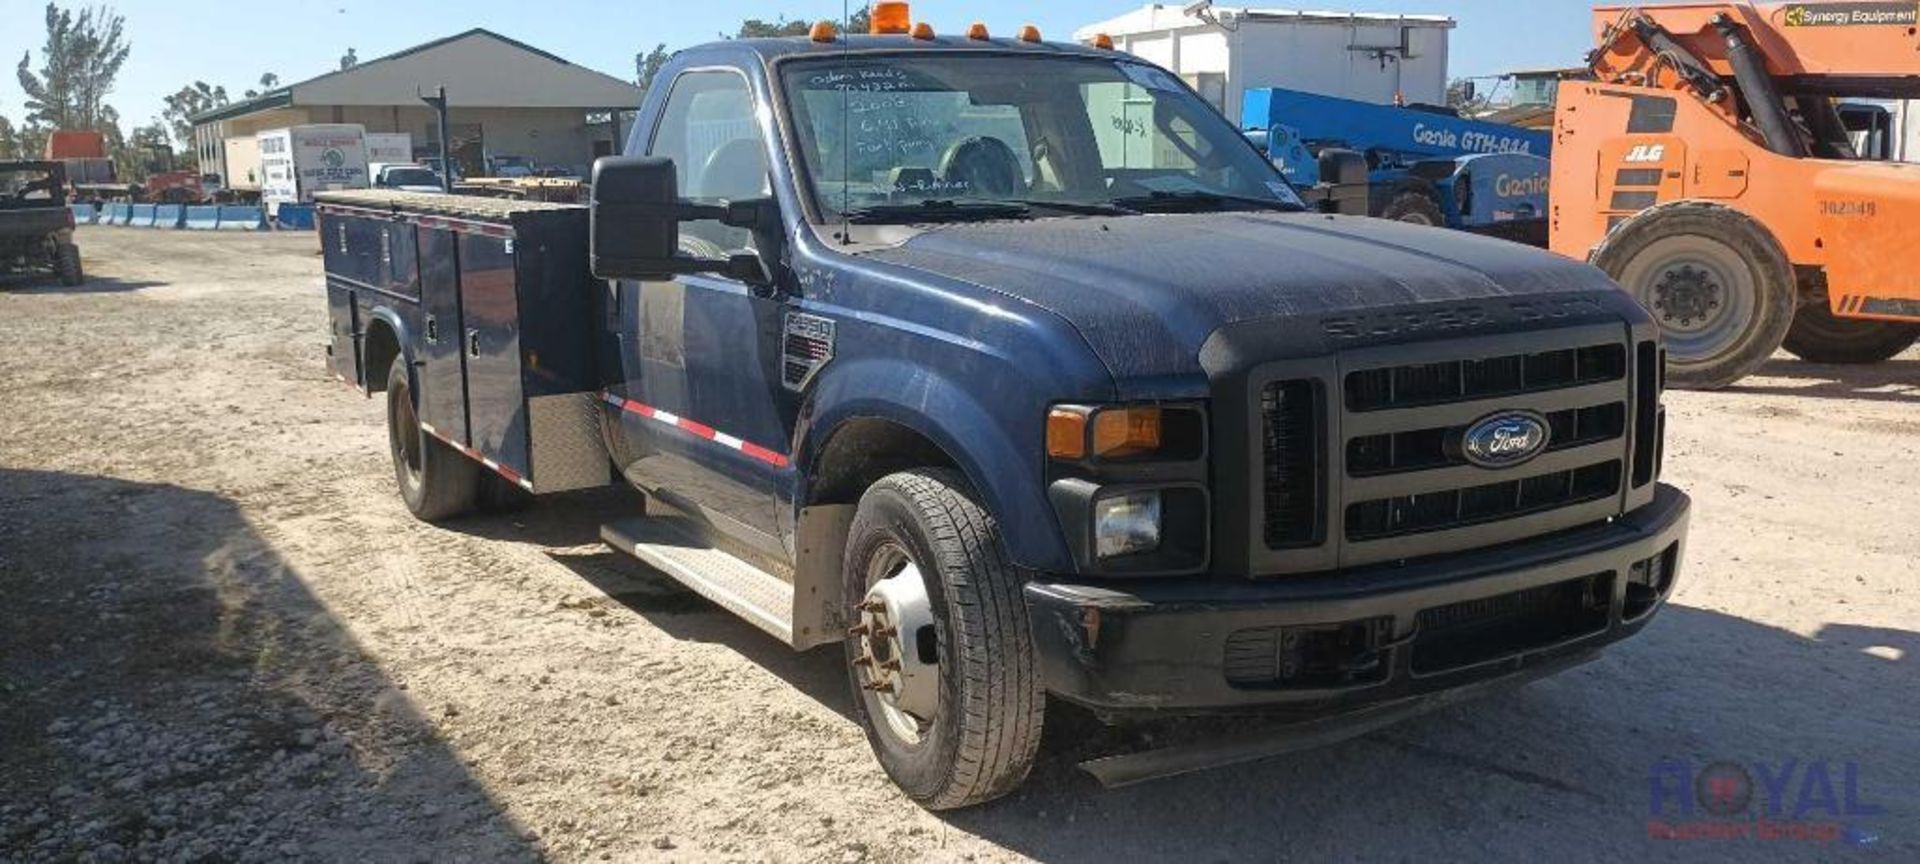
{"x":1126,"y":524}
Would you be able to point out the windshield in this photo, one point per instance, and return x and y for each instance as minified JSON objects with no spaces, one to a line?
{"x":898,"y":137}
{"x":411,"y":177}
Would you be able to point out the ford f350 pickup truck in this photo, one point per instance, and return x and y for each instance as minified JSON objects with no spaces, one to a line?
{"x":1014,"y":369}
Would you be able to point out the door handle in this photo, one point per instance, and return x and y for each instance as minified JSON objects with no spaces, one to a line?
{"x":433,"y":330}
{"x":473,"y":343}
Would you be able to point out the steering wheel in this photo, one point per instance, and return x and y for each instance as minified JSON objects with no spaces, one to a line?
{"x":983,"y":165}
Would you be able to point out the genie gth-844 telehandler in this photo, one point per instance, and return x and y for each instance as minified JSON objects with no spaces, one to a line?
{"x":1713,"y":169}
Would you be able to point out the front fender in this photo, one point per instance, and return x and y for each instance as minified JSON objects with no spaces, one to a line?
{"x":1006,"y":473}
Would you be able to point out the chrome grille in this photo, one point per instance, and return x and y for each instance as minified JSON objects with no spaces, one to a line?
{"x":1400,"y":485}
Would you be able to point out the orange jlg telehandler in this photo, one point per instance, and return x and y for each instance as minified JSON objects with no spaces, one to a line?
{"x":1708,"y":167}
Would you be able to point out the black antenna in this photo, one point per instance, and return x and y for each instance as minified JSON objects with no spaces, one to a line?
{"x":846,"y":126}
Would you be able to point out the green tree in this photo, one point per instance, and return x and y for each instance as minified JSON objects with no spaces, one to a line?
{"x":646,"y":67}
{"x":195,"y":98}
{"x":9,"y":147}
{"x":268,"y":81}
{"x":82,"y":56}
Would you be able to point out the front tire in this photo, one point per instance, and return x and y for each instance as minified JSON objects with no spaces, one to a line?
{"x":1716,"y":282}
{"x":436,"y":481}
{"x":941,"y":659}
{"x":1414,"y":207}
{"x":1818,"y":336}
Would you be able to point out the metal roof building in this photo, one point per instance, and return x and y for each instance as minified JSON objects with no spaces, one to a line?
{"x":505,"y":98}
{"x":1224,"y":50}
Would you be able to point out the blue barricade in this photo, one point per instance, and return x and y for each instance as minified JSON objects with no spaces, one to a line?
{"x":169,"y":215}
{"x":119,"y":214}
{"x":201,"y":218}
{"x":142,"y":215}
{"x":295,"y":217}
{"x":83,"y":214}
{"x":235,"y":218}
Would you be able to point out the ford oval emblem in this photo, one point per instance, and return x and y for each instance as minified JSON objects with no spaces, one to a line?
{"x":1505,"y":439}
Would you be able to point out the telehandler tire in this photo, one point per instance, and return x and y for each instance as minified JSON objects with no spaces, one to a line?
{"x":940,"y":657}
{"x":436,"y":481}
{"x":1415,"y":207}
{"x":1716,"y":282}
{"x":1818,"y":336}
{"x":66,"y":265}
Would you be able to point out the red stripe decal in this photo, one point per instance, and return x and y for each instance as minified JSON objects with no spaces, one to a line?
{"x":702,"y":430}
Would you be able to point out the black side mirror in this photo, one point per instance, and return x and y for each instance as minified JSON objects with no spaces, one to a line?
{"x":634,"y":224}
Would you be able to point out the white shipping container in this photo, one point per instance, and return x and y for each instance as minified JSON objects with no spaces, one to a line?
{"x":1368,"y":56}
{"x":390,"y":147}
{"x":298,"y":161}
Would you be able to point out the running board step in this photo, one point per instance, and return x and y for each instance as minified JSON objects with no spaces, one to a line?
{"x":763,"y":599}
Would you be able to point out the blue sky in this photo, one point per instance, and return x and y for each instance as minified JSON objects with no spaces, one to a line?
{"x":224,"y":42}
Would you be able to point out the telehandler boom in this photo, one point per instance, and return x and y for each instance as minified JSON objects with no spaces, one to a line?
{"x":1711,"y":168}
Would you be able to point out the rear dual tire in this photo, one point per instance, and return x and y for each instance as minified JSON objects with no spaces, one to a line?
{"x":436,"y":481}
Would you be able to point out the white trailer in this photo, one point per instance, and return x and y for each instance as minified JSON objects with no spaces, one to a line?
{"x":390,"y":147}
{"x":243,"y":163}
{"x":298,"y":161}
{"x":1223,"y":51}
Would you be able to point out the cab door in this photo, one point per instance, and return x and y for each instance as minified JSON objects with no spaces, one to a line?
{"x":707,"y":419}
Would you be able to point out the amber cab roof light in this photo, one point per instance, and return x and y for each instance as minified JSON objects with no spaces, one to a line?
{"x":1029,"y":33}
{"x":890,"y":17}
{"x":1103,"y":42}
{"x":978,"y":31}
{"x":923,"y":30}
{"x":823,"y":31}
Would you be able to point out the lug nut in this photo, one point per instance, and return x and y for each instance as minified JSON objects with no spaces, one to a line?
{"x":858,"y":630}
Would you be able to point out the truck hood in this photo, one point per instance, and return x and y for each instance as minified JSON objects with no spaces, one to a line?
{"x":1148,"y":291}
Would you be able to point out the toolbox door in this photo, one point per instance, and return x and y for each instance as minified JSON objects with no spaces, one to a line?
{"x":442,"y":373}
{"x":490,"y":343}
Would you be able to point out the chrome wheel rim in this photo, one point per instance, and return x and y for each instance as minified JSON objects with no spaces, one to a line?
{"x":895,"y":662}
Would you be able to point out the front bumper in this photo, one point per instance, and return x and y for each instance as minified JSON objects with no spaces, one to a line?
{"x":1200,"y":645}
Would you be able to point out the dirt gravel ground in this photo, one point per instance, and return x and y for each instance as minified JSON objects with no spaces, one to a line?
{"x":224,"y":639}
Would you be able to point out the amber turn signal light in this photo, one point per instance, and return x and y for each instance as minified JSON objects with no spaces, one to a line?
{"x":1029,"y":33}
{"x":823,"y":31}
{"x":1067,"y":432}
{"x":978,"y":31}
{"x":1122,"y":432}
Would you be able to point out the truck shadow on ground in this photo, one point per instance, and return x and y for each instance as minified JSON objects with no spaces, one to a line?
{"x":43,"y":284}
{"x":1559,"y":764}
{"x":168,"y":685}
{"x":1562,"y":764}
{"x":1896,"y":380}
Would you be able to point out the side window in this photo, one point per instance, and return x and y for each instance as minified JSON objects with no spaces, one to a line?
{"x":708,"y":130}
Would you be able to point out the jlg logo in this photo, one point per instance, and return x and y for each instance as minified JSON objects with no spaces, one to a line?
{"x":1647,"y":153}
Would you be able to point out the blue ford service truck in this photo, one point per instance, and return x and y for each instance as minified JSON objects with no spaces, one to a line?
{"x":1013,"y":368}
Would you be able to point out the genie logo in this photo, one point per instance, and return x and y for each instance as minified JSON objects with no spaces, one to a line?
{"x":1470,"y":140}
{"x":1815,"y":801}
{"x":1509,"y":186}
{"x":1504,"y":440}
